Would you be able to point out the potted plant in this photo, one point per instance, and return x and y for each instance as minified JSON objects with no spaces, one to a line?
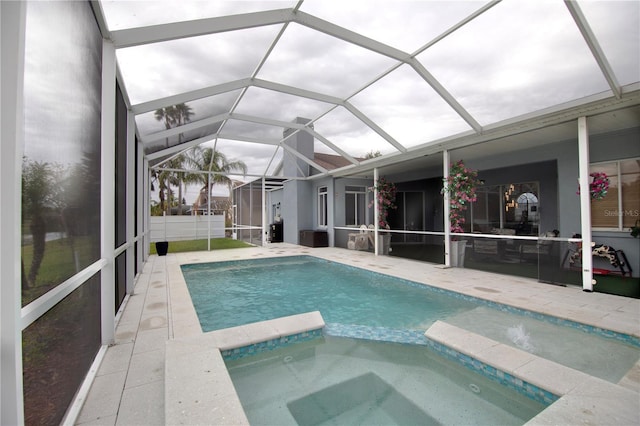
{"x":461,"y":187}
{"x":386,"y":200}
{"x":162,"y":247}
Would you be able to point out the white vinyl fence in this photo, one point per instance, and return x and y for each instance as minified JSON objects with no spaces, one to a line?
{"x":176,"y":228}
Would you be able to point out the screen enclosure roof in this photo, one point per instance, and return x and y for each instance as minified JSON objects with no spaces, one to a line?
{"x":404,"y":79}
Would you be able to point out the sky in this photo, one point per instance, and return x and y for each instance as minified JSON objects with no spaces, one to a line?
{"x":517,"y":57}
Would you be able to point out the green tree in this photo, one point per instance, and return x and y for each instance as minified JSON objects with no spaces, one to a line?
{"x":372,"y":154}
{"x":37,"y":189}
{"x":172,"y":116}
{"x":211,"y":160}
{"x":159,"y":178}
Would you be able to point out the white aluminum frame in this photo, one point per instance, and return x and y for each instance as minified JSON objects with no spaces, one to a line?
{"x":12,"y":31}
{"x":585,"y":204}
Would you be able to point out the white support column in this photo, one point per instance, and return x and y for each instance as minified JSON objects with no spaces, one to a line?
{"x":131,"y":200}
{"x":146,"y":208}
{"x":209,"y":211}
{"x":264,"y":212}
{"x":12,"y":30}
{"x":141,"y":193}
{"x":376,"y":213}
{"x":585,"y":203}
{"x":445,"y":201}
{"x":107,"y":193}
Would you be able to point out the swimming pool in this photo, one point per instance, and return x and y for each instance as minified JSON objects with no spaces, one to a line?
{"x":227,"y":294}
{"x":334,"y":381}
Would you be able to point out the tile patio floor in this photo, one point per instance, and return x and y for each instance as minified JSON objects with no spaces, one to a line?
{"x":129,"y":388}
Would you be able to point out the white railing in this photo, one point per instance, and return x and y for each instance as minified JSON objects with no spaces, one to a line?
{"x":176,"y":228}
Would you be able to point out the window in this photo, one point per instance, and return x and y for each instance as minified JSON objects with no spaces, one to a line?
{"x":620,"y":208}
{"x":355,"y":202}
{"x":512,"y":206}
{"x":322,"y":206}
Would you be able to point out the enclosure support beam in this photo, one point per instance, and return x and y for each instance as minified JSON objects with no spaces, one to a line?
{"x":140,"y":185}
{"x":146,"y":208}
{"x":585,"y":203}
{"x":107,"y":191}
{"x":376,"y":213}
{"x":209,"y":210}
{"x":12,"y":27}
{"x":264,"y":212}
{"x":130,"y":203}
{"x":446,"y":208}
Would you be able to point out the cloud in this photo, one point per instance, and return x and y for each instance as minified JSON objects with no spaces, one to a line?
{"x":517,"y":57}
{"x":62,"y":87}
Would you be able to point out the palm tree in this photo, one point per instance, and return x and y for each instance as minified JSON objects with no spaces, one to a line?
{"x":167,"y":116}
{"x":160,"y":176}
{"x":211,"y":160}
{"x":183,"y":113}
{"x":174,"y":116}
{"x":176,"y":178}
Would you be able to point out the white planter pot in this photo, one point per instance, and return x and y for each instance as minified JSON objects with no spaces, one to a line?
{"x":384,"y":241}
{"x":457,"y":253}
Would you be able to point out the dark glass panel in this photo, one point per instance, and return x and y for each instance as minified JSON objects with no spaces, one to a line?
{"x":61,"y":164}
{"x":121,"y":279}
{"x":135,"y":208}
{"x":121,"y":170}
{"x":546,"y":259}
{"x":58,"y":350}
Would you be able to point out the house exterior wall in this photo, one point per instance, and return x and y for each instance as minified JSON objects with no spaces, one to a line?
{"x":338,"y":200}
{"x":553,"y":166}
{"x":617,"y":146}
{"x":604,"y":147}
{"x":303,"y":143}
{"x":297,"y":200}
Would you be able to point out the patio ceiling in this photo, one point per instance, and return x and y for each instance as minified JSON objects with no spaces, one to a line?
{"x":405,"y":78}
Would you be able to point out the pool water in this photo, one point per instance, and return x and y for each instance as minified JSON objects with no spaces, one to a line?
{"x":339,"y":381}
{"x":236,"y":293}
{"x":228,"y":294}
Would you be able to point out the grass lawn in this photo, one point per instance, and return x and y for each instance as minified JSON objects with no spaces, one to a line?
{"x":58,"y":263}
{"x":200,"y":245}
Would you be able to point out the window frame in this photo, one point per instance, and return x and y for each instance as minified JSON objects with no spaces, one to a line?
{"x":621,"y":227}
{"x":359,"y":207}
{"x":323,"y":199}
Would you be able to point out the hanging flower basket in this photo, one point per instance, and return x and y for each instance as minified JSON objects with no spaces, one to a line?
{"x":598,"y":187}
{"x":386,"y":199}
{"x":461,"y":186}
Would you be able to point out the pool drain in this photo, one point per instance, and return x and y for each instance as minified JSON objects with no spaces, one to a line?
{"x":288,"y":358}
{"x":474,"y":388}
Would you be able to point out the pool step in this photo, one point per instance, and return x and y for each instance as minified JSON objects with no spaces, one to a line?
{"x":381,"y":334}
{"x":583,"y":399}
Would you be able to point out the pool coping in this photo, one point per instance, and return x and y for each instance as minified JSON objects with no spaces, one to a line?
{"x":583,"y":398}
{"x":210,"y":397}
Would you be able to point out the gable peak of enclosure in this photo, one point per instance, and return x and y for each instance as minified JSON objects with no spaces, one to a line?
{"x":402,"y":78}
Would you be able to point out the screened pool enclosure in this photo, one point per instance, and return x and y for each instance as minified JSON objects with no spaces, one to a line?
{"x":103,"y":101}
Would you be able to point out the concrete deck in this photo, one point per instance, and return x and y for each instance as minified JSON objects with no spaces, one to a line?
{"x":136,"y":381}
